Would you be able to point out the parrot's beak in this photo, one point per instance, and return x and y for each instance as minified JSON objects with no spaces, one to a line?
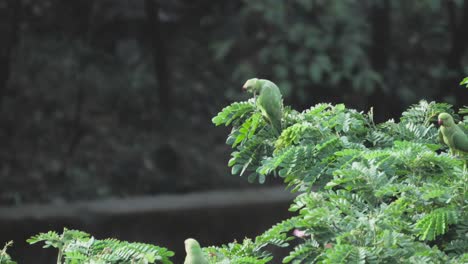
{"x":244,"y":88}
{"x":440,"y":122}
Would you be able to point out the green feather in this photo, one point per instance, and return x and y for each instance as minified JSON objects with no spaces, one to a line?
{"x":194,"y":252}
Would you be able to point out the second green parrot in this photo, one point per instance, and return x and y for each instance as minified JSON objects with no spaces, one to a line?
{"x":269,"y":100}
{"x":194,"y":252}
{"x":452,"y":134}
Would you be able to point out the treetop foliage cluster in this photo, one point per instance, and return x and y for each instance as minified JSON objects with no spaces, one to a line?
{"x":368,"y":192}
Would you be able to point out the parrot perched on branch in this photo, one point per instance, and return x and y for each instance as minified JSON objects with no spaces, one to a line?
{"x":452,"y":134}
{"x":194,"y":252}
{"x":269,"y":100}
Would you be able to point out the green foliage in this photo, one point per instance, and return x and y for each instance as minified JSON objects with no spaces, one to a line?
{"x":253,"y":251}
{"x":234,"y":112}
{"x":464,"y":82}
{"x":76,"y":247}
{"x":4,"y":257}
{"x":238,"y":253}
{"x":436,"y":222}
{"x":368,"y":193}
{"x":425,"y":113}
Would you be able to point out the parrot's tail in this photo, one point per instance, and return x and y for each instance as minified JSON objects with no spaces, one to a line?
{"x":277,"y":127}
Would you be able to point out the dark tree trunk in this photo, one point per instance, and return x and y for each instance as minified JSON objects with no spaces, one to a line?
{"x":459,"y":44}
{"x":159,"y":56}
{"x":9,"y":38}
{"x":386,"y":103}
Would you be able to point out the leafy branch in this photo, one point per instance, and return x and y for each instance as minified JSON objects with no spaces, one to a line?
{"x":4,"y":257}
{"x":76,"y":247}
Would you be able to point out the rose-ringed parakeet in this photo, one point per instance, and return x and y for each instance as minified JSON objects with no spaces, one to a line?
{"x":452,"y":135}
{"x":194,"y":252}
{"x":269,"y":100}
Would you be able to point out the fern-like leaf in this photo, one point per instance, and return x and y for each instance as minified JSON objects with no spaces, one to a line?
{"x":233,"y":113}
{"x":436,"y":223}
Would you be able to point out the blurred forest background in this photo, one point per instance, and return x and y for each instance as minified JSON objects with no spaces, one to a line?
{"x":115,"y":97}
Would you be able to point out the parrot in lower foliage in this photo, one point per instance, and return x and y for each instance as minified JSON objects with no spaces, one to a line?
{"x":452,"y":135}
{"x":269,"y":100}
{"x":194,"y":252}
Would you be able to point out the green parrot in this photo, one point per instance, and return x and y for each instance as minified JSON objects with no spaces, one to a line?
{"x":452,"y":135}
{"x":269,"y":100}
{"x":194,"y":252}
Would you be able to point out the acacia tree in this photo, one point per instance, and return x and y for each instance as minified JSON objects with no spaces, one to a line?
{"x":368,"y":192}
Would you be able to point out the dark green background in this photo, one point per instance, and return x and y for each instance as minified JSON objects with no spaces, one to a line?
{"x":115,"y":98}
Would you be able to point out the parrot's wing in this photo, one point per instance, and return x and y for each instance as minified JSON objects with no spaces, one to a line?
{"x":460,"y":140}
{"x":441,"y":137}
{"x":195,"y":258}
{"x":270,"y":103}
